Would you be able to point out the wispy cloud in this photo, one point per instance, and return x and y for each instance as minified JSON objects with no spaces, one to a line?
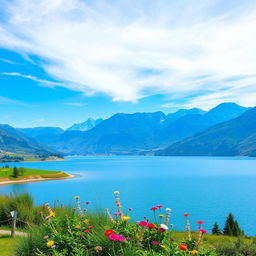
{"x":75,"y":104}
{"x":8,"y":61}
{"x":132,"y":49}
{"x":38,"y":80}
{"x":4,"y":100}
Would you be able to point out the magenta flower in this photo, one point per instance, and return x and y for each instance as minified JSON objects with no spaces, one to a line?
{"x":202,"y":230}
{"x":153,"y":208}
{"x":87,"y":202}
{"x":143,"y":223}
{"x":159,"y":206}
{"x":161,"y":230}
{"x":120,"y":238}
{"x":112,"y":237}
{"x":116,"y":213}
{"x":154,"y":243}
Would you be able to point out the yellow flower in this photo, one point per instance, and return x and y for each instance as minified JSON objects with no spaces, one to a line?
{"x":194,"y":252}
{"x":86,"y":222}
{"x":50,"y":243}
{"x":161,"y":215}
{"x":126,"y":217}
{"x":116,"y":192}
{"x":52,"y":214}
{"x":163,"y":246}
{"x":77,"y":226}
{"x":76,"y":197}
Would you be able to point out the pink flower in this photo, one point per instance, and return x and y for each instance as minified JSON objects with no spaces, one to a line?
{"x":159,"y":206}
{"x":112,"y":237}
{"x":161,"y":230}
{"x":120,"y":238}
{"x":116,"y":213}
{"x":202,"y":230}
{"x":200,"y":222}
{"x":143,"y":223}
{"x":153,"y":208}
{"x":87,"y":202}
{"x":154,"y":243}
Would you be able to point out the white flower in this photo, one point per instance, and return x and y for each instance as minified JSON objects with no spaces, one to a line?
{"x":164,"y":226}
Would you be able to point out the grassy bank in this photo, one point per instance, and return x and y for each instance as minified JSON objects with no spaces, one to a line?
{"x":11,"y":175}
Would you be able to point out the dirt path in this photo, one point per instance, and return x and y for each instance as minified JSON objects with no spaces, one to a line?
{"x":8,"y":232}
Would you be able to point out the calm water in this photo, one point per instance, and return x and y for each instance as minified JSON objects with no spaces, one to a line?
{"x":207,"y":188}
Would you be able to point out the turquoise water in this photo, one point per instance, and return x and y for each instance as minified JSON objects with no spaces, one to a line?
{"x":207,"y":188}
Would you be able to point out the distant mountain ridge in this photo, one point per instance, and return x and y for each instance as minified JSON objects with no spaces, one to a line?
{"x":142,"y":133}
{"x":14,"y":141}
{"x":85,"y":126}
{"x":230,"y":138}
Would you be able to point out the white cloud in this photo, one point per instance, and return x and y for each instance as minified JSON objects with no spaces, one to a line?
{"x":5,"y":100}
{"x":40,"y":81}
{"x":75,"y":104}
{"x":131,"y":49}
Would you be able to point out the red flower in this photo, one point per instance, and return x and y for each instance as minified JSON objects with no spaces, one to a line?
{"x":202,"y":230}
{"x":183,"y":247}
{"x":161,"y":230}
{"x":90,"y":227}
{"x":200,"y":222}
{"x":153,"y":208}
{"x":159,"y":206}
{"x":87,"y":202}
{"x":151,"y":225}
{"x":143,"y":223}
{"x":109,"y":232}
{"x":86,"y":231}
{"x":185,"y":214}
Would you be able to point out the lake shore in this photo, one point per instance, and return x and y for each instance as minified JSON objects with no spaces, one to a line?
{"x":33,"y":178}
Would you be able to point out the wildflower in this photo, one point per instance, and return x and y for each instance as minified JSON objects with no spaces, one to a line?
{"x":194,"y":252}
{"x":87,"y":202}
{"x":202,"y":230}
{"x":126,"y":217}
{"x":168,"y":209}
{"x":143,"y":223}
{"x":183,"y":247}
{"x":186,"y":214}
{"x":98,"y":248}
{"x":116,"y":192}
{"x":91,"y":227}
{"x":112,"y":237}
{"x":172,"y":239}
{"x":128,"y":238}
{"x":160,"y":215}
{"x":161,"y":230}
{"x":164,"y":226}
{"x":120,"y":238}
{"x":159,"y":206}
{"x":74,"y":209}
{"x":86,"y":222}
{"x":163,"y":246}
{"x":46,"y":237}
{"x":109,"y":215}
{"x":77,"y":227}
{"x":115,"y":213}
{"x":86,"y":231}
{"x":154,"y":243}
{"x":109,"y":232}
{"x":153,"y":208}
{"x":50,"y":243}
{"x":200,"y":222}
{"x":76,"y":197}
{"x":52,"y":214}
{"x":151,"y":225}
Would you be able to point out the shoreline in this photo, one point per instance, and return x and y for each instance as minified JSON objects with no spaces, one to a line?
{"x":37,"y":179}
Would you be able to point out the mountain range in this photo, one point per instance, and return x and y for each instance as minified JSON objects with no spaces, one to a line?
{"x":185,"y":132}
{"x":231,"y":138}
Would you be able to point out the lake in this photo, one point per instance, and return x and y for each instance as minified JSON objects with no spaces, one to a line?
{"x":208,"y":188}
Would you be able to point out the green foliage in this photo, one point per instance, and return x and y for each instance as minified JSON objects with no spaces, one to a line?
{"x":15,"y":172}
{"x":238,"y":248}
{"x":216,"y":230}
{"x":231,"y":227}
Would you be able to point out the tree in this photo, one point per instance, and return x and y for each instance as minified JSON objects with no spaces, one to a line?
{"x":231,"y":227}
{"x":216,"y":230}
{"x":22,"y":171}
{"x":15,"y":172}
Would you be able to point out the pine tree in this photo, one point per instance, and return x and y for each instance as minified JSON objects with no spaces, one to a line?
{"x":15,"y":172}
{"x":231,"y":227}
{"x":216,"y":230}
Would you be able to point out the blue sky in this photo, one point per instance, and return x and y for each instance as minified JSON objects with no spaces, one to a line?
{"x":62,"y":61}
